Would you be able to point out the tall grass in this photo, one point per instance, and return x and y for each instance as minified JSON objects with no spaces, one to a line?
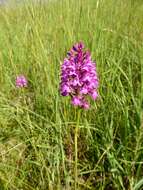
{"x":37,"y":124}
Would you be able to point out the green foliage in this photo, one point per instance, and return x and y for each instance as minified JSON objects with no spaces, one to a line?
{"x":37,"y":124}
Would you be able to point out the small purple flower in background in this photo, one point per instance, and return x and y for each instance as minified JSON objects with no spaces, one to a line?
{"x":79,"y":77}
{"x":21,"y":81}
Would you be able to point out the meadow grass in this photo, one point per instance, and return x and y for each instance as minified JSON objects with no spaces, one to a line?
{"x":37,"y":124}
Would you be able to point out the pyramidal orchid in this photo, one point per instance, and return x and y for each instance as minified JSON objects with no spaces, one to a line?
{"x":21,"y":81}
{"x":79,"y":77}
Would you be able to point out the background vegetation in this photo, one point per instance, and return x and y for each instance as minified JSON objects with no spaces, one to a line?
{"x":37,"y":124}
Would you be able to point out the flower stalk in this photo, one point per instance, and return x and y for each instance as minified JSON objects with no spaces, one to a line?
{"x":76,"y":149}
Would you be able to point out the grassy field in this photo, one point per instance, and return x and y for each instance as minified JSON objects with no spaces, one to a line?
{"x":37,"y":124}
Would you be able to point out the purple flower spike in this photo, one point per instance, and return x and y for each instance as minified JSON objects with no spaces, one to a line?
{"x":21,"y":81}
{"x":79,"y":77}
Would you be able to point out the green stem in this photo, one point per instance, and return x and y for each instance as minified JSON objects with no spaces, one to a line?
{"x":76,"y":149}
